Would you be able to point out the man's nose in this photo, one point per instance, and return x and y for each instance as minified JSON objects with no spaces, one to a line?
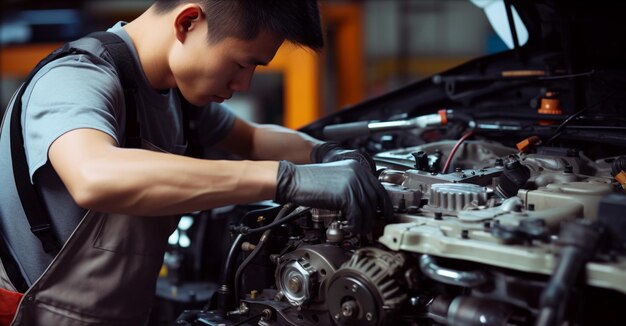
{"x":242,"y":80}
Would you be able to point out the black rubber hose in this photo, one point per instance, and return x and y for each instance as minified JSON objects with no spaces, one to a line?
{"x":345,"y":131}
{"x":458,"y":115}
{"x":247,"y":261}
{"x":235,"y":248}
{"x":268,"y":230}
{"x":223,"y":297}
{"x":234,"y":251}
{"x":246,"y":230}
{"x":574,"y":255}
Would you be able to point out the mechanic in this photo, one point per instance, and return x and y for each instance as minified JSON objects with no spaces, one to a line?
{"x":113,"y":207}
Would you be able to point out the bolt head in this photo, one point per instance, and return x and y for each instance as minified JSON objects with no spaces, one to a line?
{"x":294,"y":284}
{"x":349,"y":309}
{"x":346,"y":312}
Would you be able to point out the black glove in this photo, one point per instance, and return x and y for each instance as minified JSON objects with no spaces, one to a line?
{"x":332,"y":152}
{"x":343,"y":185}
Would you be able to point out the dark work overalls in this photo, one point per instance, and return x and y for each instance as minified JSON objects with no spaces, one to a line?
{"x":106,"y":272}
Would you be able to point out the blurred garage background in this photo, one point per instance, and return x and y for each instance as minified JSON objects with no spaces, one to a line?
{"x":373,"y":47}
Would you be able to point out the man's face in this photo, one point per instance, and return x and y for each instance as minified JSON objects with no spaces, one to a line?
{"x":206,"y":72}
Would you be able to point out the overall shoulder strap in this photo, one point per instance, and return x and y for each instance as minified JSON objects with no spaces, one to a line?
{"x":38,"y":217}
{"x":126,"y":70}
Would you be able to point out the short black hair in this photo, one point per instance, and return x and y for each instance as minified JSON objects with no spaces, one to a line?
{"x":297,"y":21}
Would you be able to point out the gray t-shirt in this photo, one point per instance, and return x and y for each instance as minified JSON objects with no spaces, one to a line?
{"x":76,"y":92}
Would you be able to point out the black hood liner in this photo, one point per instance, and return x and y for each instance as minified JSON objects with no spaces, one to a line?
{"x":580,"y":45}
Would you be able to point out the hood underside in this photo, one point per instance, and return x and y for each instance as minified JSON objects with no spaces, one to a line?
{"x":574,"y":50}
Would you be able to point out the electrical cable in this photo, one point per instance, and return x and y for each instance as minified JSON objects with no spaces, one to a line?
{"x":455,"y":148}
{"x":235,"y":247}
{"x":226,"y":276}
{"x":268,"y":230}
{"x":267,"y":211}
{"x":247,"y":230}
{"x":561,"y":127}
{"x":247,"y":261}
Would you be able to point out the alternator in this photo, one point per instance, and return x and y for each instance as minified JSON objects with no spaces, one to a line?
{"x":301,"y":274}
{"x":365,"y":290}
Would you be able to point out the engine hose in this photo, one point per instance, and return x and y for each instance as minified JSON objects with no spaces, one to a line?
{"x":268,"y":230}
{"x":473,"y":311}
{"x":247,"y":261}
{"x":574,"y":255}
{"x":234,"y":251}
{"x":457,"y":115}
{"x":428,"y":266}
{"x":235,"y":248}
{"x":296,"y":214}
{"x":224,"y":299}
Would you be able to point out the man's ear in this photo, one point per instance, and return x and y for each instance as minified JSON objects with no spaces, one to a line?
{"x":186,"y":20}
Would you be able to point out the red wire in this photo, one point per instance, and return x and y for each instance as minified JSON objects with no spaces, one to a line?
{"x":455,"y":148}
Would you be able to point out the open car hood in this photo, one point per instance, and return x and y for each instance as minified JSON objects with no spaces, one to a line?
{"x":574,"y":49}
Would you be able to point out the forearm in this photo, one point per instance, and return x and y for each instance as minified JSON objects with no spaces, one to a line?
{"x":273,"y":142}
{"x":106,"y":178}
{"x":147,"y":183}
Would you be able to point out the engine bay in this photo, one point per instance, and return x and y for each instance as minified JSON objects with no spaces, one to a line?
{"x":501,"y":239}
{"x":507,"y":178}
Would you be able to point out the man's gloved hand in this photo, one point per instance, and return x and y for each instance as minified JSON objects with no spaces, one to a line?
{"x":332,"y":152}
{"x":343,"y":185}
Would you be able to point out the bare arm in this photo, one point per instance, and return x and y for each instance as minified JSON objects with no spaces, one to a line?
{"x":268,"y":142}
{"x":107,"y":178}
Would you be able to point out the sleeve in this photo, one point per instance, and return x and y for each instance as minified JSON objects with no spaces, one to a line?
{"x":212,"y":124}
{"x":74,"y":92}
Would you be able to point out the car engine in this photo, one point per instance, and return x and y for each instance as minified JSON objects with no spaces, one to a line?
{"x":506,"y":237}
{"x":507,"y":178}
